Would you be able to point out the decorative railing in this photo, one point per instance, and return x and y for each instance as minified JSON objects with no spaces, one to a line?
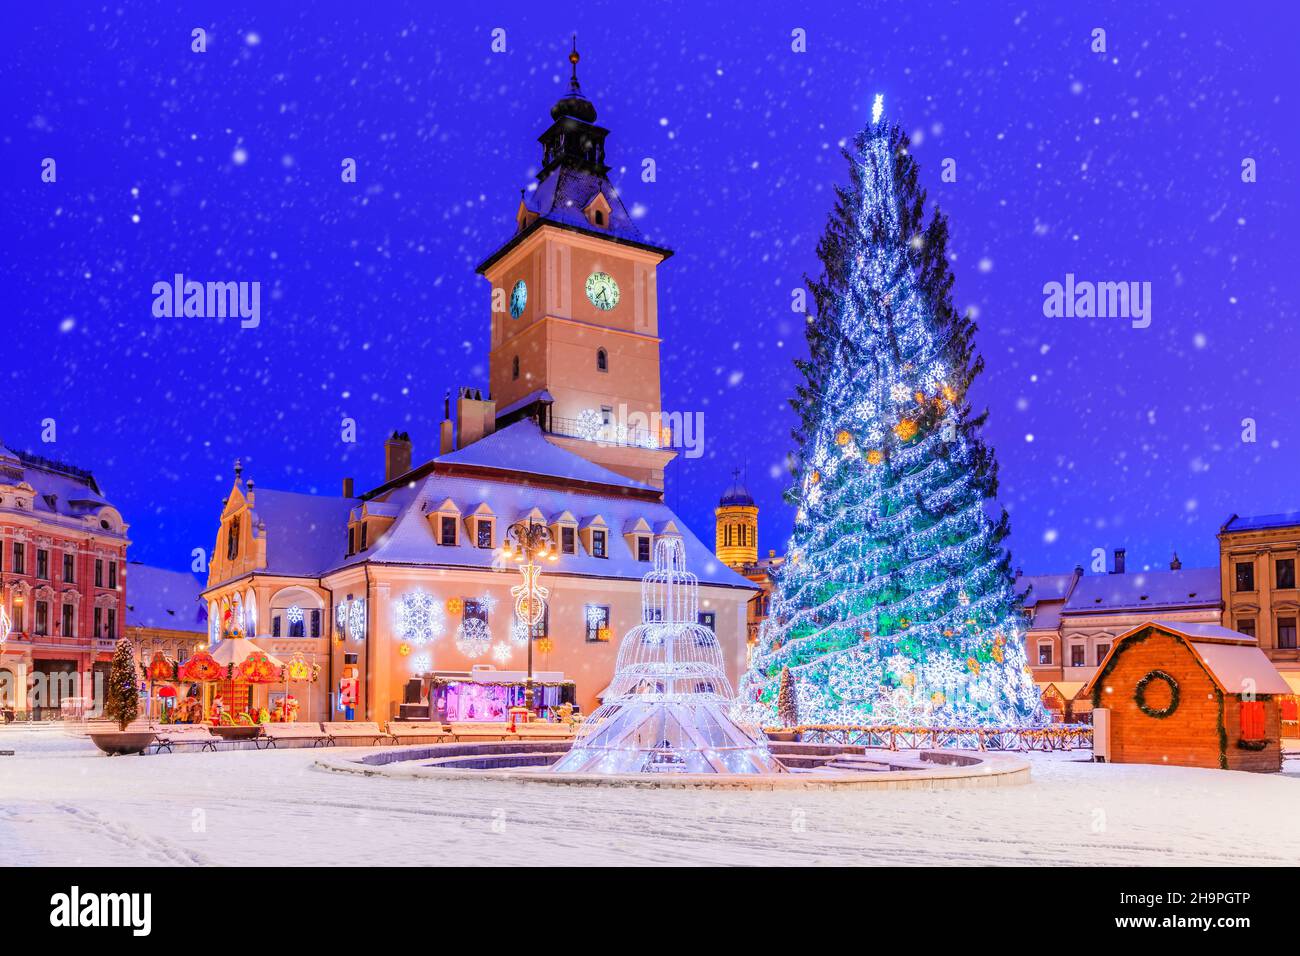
{"x":611,"y":433}
{"x":1053,"y":737}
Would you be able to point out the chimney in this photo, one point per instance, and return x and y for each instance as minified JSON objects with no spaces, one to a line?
{"x":1119,"y":561}
{"x":397,"y":455}
{"x":1175,"y":564}
{"x":347,"y":488}
{"x":476,"y":416}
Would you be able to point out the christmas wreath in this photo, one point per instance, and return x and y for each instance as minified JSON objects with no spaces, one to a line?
{"x":1140,"y":695}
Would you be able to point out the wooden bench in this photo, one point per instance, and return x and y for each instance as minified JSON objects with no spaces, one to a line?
{"x":417,"y":731}
{"x":481,"y":730}
{"x":167,"y":736}
{"x":354,"y":731}
{"x":273,"y":733}
{"x":543,"y":728}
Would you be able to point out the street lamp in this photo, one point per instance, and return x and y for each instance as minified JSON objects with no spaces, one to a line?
{"x":528,"y":543}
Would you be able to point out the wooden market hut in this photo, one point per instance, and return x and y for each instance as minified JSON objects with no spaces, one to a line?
{"x":1193,"y":695}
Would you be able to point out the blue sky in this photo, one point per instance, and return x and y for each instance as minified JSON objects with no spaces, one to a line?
{"x":1117,"y":166}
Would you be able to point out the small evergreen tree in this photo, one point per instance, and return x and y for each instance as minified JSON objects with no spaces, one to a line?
{"x":786,"y":713}
{"x":122,"y":700}
{"x":895,"y":603}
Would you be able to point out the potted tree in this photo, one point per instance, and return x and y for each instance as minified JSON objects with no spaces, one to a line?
{"x":122,"y":705}
{"x":785,"y":710}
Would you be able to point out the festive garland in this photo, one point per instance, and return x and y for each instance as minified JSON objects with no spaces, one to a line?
{"x":1140,"y":695}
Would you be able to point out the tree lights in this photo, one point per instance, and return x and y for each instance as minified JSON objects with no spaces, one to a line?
{"x":896,"y":605}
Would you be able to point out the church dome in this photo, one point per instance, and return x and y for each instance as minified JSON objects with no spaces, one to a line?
{"x":736,"y":495}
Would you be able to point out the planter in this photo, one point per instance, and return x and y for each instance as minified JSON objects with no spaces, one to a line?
{"x":115,"y":742}
{"x":237,"y":731}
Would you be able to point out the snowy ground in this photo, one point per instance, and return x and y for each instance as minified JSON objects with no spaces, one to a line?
{"x":62,"y":803}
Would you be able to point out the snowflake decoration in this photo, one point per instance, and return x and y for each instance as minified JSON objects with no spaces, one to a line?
{"x":295,"y":614}
{"x":341,"y":615}
{"x":418,"y":617}
{"x":590,"y":424}
{"x":502,"y":652}
{"x":357,"y":620}
{"x":519,"y":631}
{"x":899,"y":392}
{"x":473,"y":638}
{"x":422,"y":663}
{"x":595,"y":615}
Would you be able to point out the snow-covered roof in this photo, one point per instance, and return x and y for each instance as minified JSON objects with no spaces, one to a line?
{"x":539,"y":395}
{"x":1258,"y":522}
{"x":167,"y":600}
{"x":522,"y":447}
{"x":562,"y":196}
{"x":412,"y":539}
{"x":60,"y":490}
{"x":305,"y":534}
{"x":1144,"y":590}
{"x":1232,"y":659}
{"x":1034,"y":588}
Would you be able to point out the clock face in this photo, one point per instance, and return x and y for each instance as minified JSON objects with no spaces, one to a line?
{"x":518,"y":299}
{"x":602,"y":290}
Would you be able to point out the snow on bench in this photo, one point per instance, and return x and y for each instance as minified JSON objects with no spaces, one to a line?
{"x":273,"y":733}
{"x":354,"y":730}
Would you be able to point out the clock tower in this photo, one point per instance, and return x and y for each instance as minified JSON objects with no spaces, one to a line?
{"x":575,"y":319}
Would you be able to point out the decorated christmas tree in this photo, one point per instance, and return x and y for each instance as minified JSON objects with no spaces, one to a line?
{"x":895,"y":604}
{"x":121,"y":697}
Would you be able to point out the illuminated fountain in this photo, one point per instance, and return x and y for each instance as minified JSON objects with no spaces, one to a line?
{"x":666,"y":710}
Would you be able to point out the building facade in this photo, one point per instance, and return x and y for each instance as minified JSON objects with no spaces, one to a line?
{"x":403,"y":587}
{"x":62,"y":587}
{"x":164,"y":613}
{"x":735,"y":537}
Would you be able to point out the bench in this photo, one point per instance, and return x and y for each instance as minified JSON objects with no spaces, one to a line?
{"x":273,"y":733}
{"x":349,"y":730}
{"x":481,"y":730}
{"x":543,"y":728}
{"x":167,"y":736}
{"x":417,"y":731}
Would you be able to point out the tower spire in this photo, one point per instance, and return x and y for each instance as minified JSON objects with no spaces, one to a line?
{"x":573,"y":59}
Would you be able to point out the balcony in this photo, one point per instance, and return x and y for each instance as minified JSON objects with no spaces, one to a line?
{"x":594,"y":430}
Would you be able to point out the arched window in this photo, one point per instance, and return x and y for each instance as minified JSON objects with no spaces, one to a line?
{"x":232,"y":539}
{"x":514,"y":367}
{"x":602,"y":360}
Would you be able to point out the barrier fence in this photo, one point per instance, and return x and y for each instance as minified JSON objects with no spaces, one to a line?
{"x":1054,"y":737}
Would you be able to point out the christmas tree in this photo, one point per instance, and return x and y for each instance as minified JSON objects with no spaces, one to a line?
{"x":122,"y":700}
{"x":895,"y":604}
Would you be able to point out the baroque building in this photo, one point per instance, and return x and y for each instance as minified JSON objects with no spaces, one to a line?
{"x":405,"y":592}
{"x":62,"y":586}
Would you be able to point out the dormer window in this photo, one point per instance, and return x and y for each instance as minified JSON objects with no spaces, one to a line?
{"x":643,"y":548}
{"x":447,"y":530}
{"x":600,"y":218}
{"x":568,"y":539}
{"x":514,"y":368}
{"x":483,"y":533}
{"x":364,"y":543}
{"x":602,"y":360}
{"x":232,"y":539}
{"x":598,"y":548}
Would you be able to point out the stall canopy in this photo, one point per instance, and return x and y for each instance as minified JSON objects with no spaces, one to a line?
{"x":236,"y":650}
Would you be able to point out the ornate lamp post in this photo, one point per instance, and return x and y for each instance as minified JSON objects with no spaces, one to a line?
{"x":528,"y":543}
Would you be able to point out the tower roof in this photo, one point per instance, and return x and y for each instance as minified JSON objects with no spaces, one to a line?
{"x":736,"y":494}
{"x":574,"y":103}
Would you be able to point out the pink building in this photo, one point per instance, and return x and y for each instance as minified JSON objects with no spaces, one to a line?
{"x":62,"y":582}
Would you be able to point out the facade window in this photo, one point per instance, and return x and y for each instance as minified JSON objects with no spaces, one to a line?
{"x":315,"y":622}
{"x":1045,"y":653}
{"x":652,"y":615}
{"x":296,"y":622}
{"x":602,"y":360}
{"x":99,"y":622}
{"x":1286,"y":632}
{"x":597,"y":617}
{"x":568,"y":540}
{"x":112,"y":575}
{"x":42,"y":617}
{"x":1245,"y":575}
{"x":475,"y":610}
{"x":20,"y":559}
{"x":484,"y":532}
{"x":1246,"y":626}
{"x":351,"y":540}
{"x":1077,"y":656}
{"x":1285,"y":573}
{"x":514,"y":367}
{"x":708,"y":619}
{"x":1102,"y":651}
{"x":275,"y":625}
{"x":642,"y":548}
{"x":365,"y":534}
{"x":69,"y":569}
{"x":232,"y":539}
{"x":447,"y":530}
{"x":17,"y":618}
{"x":112,"y":624}
{"x":42,"y":564}
{"x":99,"y":573}
{"x":598,"y":544}
{"x":607,"y":415}
{"x":67,"y":629}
